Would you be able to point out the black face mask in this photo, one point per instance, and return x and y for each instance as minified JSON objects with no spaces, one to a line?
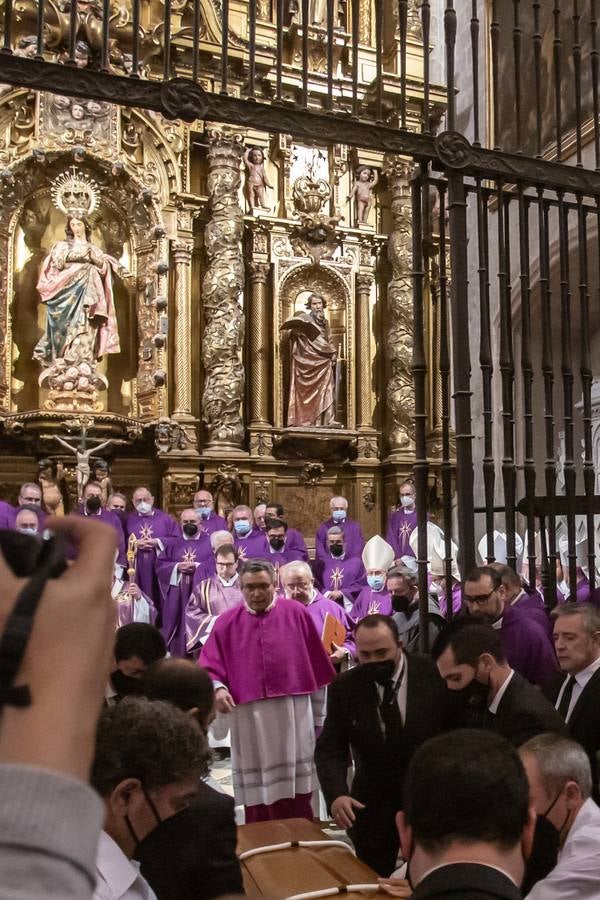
{"x":123,"y":684}
{"x":475,"y":695}
{"x":400,"y":602}
{"x":93,"y":504}
{"x":379,"y":672}
{"x":336,"y":550}
{"x":544,"y":853}
{"x":277,"y":543}
{"x":140,"y":844}
{"x":190,"y":529}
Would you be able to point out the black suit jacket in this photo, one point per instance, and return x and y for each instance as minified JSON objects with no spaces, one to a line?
{"x":466,"y":881}
{"x":524,"y":712}
{"x":584,"y":724}
{"x":191,"y":856}
{"x":352,"y":723}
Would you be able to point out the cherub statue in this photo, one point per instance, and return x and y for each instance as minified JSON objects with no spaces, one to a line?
{"x":55,"y":494}
{"x":100,"y":473}
{"x":256,"y":178}
{"x":83,"y":454}
{"x":364,"y":185}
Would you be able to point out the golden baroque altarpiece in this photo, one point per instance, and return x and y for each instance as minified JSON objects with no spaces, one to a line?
{"x":205,"y":242}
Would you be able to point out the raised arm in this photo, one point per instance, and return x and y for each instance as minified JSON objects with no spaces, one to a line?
{"x":65,"y":444}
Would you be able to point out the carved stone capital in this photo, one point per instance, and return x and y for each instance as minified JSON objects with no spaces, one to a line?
{"x":364,"y":282}
{"x":181,"y":252}
{"x":259,"y":272}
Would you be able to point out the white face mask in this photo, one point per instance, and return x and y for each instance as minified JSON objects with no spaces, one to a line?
{"x":143,"y":507}
{"x":406,"y":501}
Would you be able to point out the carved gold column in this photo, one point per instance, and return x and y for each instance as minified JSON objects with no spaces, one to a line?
{"x":398,"y":323}
{"x":259,"y":345}
{"x":221,"y":288}
{"x":181,"y":255}
{"x":364,"y":282}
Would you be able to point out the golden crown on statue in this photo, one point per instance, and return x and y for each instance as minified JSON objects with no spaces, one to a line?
{"x":75,"y":194}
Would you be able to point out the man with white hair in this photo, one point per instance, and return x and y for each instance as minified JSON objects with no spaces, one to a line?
{"x":401,"y":582}
{"x":560,"y":786}
{"x":208,"y":520}
{"x":298,"y":584}
{"x":352,"y":530}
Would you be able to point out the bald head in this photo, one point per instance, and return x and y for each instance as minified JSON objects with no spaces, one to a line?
{"x":182,"y":683}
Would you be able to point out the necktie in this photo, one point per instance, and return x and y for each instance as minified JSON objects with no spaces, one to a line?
{"x":565,"y":700}
{"x":390,"y":713}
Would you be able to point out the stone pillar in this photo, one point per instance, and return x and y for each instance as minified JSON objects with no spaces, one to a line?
{"x":222,"y":285}
{"x":364,"y":282}
{"x":181,"y":255}
{"x":399,"y":319}
{"x":259,"y":345}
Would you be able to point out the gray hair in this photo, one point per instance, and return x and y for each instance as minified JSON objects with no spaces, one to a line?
{"x":296,"y":565}
{"x":27,"y":485}
{"x":335,"y":530}
{"x":338,"y":497}
{"x":220,"y":535}
{"x":251,"y":566}
{"x":589,"y":615}
{"x":402,"y":572}
{"x":559,"y":760}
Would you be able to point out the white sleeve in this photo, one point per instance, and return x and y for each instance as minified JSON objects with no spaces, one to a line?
{"x":175,"y":576}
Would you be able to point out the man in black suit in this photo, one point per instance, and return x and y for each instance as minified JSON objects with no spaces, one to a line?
{"x":466,"y":827}
{"x":471,"y":660}
{"x":381,"y":711}
{"x":191,"y":856}
{"x":576,"y":693}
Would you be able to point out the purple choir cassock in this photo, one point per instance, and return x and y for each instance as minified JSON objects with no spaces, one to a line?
{"x":109,"y":517}
{"x":533,"y":606}
{"x":7,"y":515}
{"x":369,"y":602}
{"x":401,"y":525}
{"x":253,"y":546}
{"x":346,"y":575}
{"x":212,"y":523}
{"x":295,"y":541}
{"x":318,"y":608}
{"x":353,"y":536}
{"x":527,"y":646}
{"x":158,"y":526}
{"x":276,"y":684}
{"x":280,"y":558}
{"x":456,"y":599}
{"x":209,"y":598}
{"x":176,"y":587}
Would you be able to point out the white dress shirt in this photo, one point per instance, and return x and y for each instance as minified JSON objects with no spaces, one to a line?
{"x":118,"y":878}
{"x":581,"y":679}
{"x":576,"y":875}
{"x":400,"y":674}
{"x":493,"y":707}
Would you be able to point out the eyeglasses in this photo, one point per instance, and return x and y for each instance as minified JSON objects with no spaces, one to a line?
{"x":481,"y":599}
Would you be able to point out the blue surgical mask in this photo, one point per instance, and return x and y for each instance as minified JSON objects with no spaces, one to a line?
{"x":242,"y":526}
{"x":338,"y":515}
{"x":376,"y":582}
{"x":144,"y":508}
{"x":204,"y":512}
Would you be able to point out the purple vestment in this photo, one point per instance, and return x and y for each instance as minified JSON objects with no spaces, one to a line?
{"x":176,"y":587}
{"x":294,"y":541}
{"x":456,"y":599}
{"x":282,"y":653}
{"x":527,"y":647}
{"x":213,"y":523}
{"x":533,"y":606}
{"x":370,"y":601}
{"x":7,"y":515}
{"x":352,"y":534}
{"x":401,"y":525}
{"x":209,"y":598}
{"x":346,"y":575}
{"x":157,"y":525}
{"x":318,"y":608}
{"x":254,"y":546}
{"x":133,"y":610}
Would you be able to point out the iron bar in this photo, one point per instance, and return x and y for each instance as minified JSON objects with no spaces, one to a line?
{"x":527,"y":383}
{"x":8,"y":21}
{"x":105,"y":35}
{"x":305,"y":51}
{"x":517,"y":41}
{"x":279,"y":60}
{"x":589,"y":476}
{"x":486,"y":365}
{"x":577,"y":79}
{"x":557,"y":77}
{"x":595,"y":71}
{"x":225,"y":47}
{"x":73,"y":29}
{"x":167,"y":38}
{"x":251,"y":49}
{"x":40,"y":28}
{"x":330,"y":36}
{"x":461,"y":354}
{"x":450,"y":40}
{"x":494,"y":44}
{"x":419,"y":370}
{"x":475,"y":71}
{"x":379,"y":60}
{"x":507,"y":373}
{"x":355,"y":55}
{"x":425,"y":31}
{"x":135,"y":52}
{"x":537,"y":60}
{"x":444,"y":369}
{"x":403,"y":25}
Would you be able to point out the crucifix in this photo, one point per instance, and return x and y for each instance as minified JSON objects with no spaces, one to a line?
{"x":83,"y":453}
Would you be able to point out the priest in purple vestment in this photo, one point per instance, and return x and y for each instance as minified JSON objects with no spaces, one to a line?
{"x":175,"y":569}
{"x":212,"y":596}
{"x":378,"y":558}
{"x":277,"y":551}
{"x":30,"y":494}
{"x":403,"y":521}
{"x":151,"y":527}
{"x":338,"y":576}
{"x":531,"y":604}
{"x":275,"y":693}
{"x":29,"y":520}
{"x":7,"y":515}
{"x":352,"y":530}
{"x":132,"y":604}
{"x":208,"y":520}
{"x":298,"y":584}
{"x":437,"y":571}
{"x":526,"y":645}
{"x":249,"y":541}
{"x":293,"y":538}
{"x":92,"y":507}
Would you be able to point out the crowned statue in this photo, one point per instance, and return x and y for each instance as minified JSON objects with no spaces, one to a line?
{"x":76,"y":287}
